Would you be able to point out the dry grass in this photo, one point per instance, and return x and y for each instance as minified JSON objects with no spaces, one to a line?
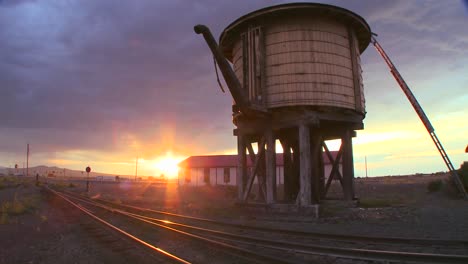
{"x":13,"y":182}
{"x":19,"y":206}
{"x":62,"y":185}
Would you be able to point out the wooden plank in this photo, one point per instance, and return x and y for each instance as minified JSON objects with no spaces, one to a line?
{"x":304,"y":196}
{"x":241,"y":166}
{"x":348,"y":168}
{"x":310,"y":67}
{"x":307,"y":35}
{"x":262,"y":65}
{"x":308,"y":23}
{"x":296,"y":167}
{"x":288,"y":169}
{"x":356,"y":70}
{"x":327,"y":79}
{"x":306,"y":45}
{"x":270,"y":163}
{"x":245,"y":62}
{"x":335,"y":169}
{"x":315,"y":153}
{"x":256,"y":161}
{"x":261,"y":169}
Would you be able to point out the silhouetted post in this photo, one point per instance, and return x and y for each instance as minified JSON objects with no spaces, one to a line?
{"x":305,"y":172}
{"x":348,"y":169}
{"x":270,"y":162}
{"x":88,"y":170}
{"x":27,"y":161}
{"x":241,"y":167}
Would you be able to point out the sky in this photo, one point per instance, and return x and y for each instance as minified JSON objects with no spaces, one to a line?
{"x":100,"y":83}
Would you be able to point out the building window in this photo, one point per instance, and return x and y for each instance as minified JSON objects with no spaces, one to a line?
{"x":206,"y":175}
{"x":227,"y":175}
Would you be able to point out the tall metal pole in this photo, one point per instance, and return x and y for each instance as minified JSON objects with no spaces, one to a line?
{"x":27,"y":161}
{"x":417,"y":107}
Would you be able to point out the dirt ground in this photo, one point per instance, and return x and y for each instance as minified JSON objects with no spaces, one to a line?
{"x":33,"y":230}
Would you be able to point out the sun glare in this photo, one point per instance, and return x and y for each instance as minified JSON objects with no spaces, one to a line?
{"x":167,"y":165}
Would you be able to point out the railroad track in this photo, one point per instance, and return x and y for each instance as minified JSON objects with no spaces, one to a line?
{"x":101,"y":233}
{"x":231,"y":252}
{"x":268,"y":247}
{"x":318,"y":235}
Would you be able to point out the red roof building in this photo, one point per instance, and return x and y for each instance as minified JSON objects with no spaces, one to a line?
{"x":222,"y":169}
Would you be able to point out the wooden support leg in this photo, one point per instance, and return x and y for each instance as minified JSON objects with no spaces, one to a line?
{"x":241,"y":167}
{"x":304,"y":196}
{"x":316,"y":153}
{"x":270,"y":164}
{"x":295,"y":182}
{"x":348,"y":168}
{"x":287,"y":170}
{"x":261,"y":180}
{"x":321,"y":171}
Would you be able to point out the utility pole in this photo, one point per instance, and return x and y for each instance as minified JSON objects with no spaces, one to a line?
{"x":27,"y":161}
{"x":136,"y":169}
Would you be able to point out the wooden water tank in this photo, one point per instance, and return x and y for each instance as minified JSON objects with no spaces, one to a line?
{"x":301,"y":54}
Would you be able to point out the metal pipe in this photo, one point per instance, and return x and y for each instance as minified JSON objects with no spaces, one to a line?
{"x":229,"y":76}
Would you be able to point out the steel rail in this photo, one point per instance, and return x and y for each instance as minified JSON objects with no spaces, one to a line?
{"x":341,"y":237}
{"x":368,"y":254}
{"x":353,"y":253}
{"x":120,"y":231}
{"x":252,"y":254}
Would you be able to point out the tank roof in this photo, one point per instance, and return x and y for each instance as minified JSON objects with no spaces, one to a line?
{"x":362,"y":29}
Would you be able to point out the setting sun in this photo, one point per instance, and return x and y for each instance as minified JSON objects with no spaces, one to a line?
{"x":167,"y":165}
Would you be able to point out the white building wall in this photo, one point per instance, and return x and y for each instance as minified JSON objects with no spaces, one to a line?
{"x":217,"y":176}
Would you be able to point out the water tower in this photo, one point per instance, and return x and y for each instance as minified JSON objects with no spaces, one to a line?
{"x":296,"y":78}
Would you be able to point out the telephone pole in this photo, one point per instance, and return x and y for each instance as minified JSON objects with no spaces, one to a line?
{"x":27,"y":161}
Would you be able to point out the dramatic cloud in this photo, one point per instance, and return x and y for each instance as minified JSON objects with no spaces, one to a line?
{"x":96,"y":79}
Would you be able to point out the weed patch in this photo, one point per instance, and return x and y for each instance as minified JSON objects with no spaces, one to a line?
{"x":19,"y":205}
{"x":434,"y":186}
{"x":62,"y":185}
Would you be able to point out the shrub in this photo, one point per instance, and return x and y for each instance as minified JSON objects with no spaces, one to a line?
{"x":435,"y":185}
{"x":19,"y":205}
{"x":463,"y":173}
